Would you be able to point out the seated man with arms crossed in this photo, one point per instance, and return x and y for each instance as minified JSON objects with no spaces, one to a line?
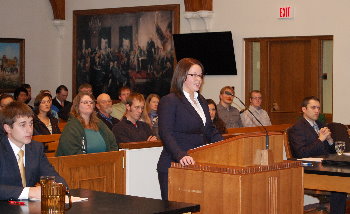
{"x":22,"y":161}
{"x":308,"y":137}
{"x":130,"y":128}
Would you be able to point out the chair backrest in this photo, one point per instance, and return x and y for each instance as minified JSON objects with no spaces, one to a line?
{"x":50,"y":142}
{"x":340,"y":133}
{"x":61,"y":125}
{"x":287,"y":147}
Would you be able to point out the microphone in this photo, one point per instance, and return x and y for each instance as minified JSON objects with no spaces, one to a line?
{"x":267,"y":133}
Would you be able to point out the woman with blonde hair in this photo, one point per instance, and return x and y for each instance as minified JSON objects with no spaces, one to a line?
{"x":84,"y":132}
{"x":150,"y":115}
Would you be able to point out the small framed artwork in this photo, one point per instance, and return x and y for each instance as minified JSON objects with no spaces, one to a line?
{"x":11,"y":64}
{"x":118,"y":47}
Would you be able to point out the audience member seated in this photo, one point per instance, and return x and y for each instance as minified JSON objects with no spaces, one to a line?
{"x":308,"y":137}
{"x":5,"y":99}
{"x":20,"y":94}
{"x":84,"y":132}
{"x":218,"y":123}
{"x":248,"y":119}
{"x":60,"y":103}
{"x":150,"y":115}
{"x":118,"y":110}
{"x":104,"y":110}
{"x":85,"y":88}
{"x":43,"y":121}
{"x":29,"y":89}
{"x":130,"y":128}
{"x":21,"y":161}
{"x":229,"y":114}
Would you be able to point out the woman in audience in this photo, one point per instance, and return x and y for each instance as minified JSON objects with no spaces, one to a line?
{"x":43,"y":122}
{"x":150,"y":115}
{"x":218,"y":123}
{"x":84,"y":132}
{"x":184,"y":120}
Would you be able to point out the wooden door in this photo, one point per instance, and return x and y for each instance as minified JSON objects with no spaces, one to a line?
{"x":290,"y":69}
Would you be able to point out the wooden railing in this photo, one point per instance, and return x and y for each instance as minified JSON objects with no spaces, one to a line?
{"x":104,"y":171}
{"x":140,"y":145}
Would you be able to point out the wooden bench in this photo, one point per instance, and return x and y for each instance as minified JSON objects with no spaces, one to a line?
{"x":50,"y":142}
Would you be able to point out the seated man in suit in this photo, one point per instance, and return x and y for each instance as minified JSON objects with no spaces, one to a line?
{"x":308,"y":137}
{"x":104,"y":110}
{"x":60,"y":104}
{"x":22,"y":161}
{"x":130,"y":128}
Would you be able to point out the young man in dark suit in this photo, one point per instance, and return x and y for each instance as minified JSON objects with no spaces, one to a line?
{"x":60,"y":103}
{"x":22,"y":161}
{"x":308,"y":137}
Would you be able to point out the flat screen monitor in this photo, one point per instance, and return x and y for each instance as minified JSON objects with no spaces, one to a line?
{"x":214,"y":50}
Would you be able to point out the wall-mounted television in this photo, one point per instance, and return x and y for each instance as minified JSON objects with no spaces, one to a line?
{"x":214,"y":49}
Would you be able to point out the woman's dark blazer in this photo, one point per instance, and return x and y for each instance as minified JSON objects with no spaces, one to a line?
{"x":181,"y":128}
{"x":41,"y":129}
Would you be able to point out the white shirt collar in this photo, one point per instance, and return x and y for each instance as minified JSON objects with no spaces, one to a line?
{"x":312,"y":123}
{"x":58,"y":101}
{"x":16,"y":149}
{"x":187,"y":95}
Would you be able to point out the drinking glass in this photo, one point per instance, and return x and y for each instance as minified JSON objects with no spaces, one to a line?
{"x":339,"y":147}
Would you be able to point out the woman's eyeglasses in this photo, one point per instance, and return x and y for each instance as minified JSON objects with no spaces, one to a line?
{"x":196,"y":75}
{"x":87,"y":102}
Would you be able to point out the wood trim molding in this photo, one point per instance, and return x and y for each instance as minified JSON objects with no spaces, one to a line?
{"x":197,"y":5}
{"x":58,"y":9}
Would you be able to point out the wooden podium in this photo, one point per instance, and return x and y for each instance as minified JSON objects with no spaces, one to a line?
{"x":226,"y":180}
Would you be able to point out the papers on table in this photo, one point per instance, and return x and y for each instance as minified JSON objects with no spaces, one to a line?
{"x":311,"y":159}
{"x":75,"y":199}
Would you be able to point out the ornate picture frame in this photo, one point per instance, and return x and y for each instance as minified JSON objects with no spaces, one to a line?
{"x":130,"y":46}
{"x":11,"y":64}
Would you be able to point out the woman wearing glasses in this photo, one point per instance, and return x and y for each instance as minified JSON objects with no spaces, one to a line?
{"x":184,"y":121}
{"x":43,"y":122}
{"x":84,"y":132}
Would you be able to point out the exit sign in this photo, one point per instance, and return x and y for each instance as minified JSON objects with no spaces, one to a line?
{"x":286,"y":12}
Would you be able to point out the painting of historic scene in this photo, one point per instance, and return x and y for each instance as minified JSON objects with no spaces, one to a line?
{"x":11,"y":64}
{"x":125,"y":48}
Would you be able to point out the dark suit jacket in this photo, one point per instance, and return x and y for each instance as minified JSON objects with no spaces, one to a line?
{"x":181,"y":128}
{"x":63,"y":112}
{"x":304,"y":140}
{"x":36,"y":165}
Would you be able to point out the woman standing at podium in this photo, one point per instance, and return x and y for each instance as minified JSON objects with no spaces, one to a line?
{"x":184,"y":121}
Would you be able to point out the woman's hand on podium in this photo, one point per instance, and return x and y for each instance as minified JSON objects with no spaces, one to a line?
{"x":186,"y":160}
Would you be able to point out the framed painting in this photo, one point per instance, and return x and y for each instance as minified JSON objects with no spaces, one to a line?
{"x":11,"y":64}
{"x":118,"y":47}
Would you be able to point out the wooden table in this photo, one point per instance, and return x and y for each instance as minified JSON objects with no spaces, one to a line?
{"x":101,"y":202}
{"x":327,"y":177}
